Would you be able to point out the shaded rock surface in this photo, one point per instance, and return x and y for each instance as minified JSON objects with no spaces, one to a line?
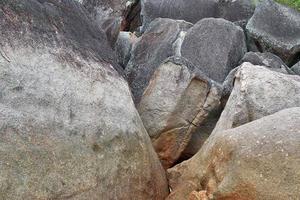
{"x":256,"y":161}
{"x":195,"y":10}
{"x":296,"y":68}
{"x":215,"y":46}
{"x":124,"y":45}
{"x":276,"y":28}
{"x":267,"y":59}
{"x":154,"y":46}
{"x":68,"y":125}
{"x":177,"y":100}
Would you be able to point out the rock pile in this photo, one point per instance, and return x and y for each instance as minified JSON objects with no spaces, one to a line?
{"x":149,"y":99}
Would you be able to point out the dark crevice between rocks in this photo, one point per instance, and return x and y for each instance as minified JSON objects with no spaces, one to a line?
{"x":295,"y":59}
{"x":132,"y":17}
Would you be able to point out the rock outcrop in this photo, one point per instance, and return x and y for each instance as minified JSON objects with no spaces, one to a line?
{"x":177,"y":100}
{"x":276,"y":28}
{"x":68,"y":125}
{"x":155,"y":45}
{"x":256,"y":161}
{"x":215,"y":46}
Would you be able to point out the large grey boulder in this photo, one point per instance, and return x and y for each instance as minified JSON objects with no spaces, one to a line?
{"x":258,"y":160}
{"x":296,"y":68}
{"x":177,"y":100}
{"x":258,"y":92}
{"x":159,"y":42}
{"x":215,"y":46}
{"x":276,"y":28}
{"x":68,"y":125}
{"x":268,"y":60}
{"x":111,"y":15}
{"x":195,"y":10}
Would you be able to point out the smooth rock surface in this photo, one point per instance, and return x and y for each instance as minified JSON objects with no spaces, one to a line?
{"x":256,"y":161}
{"x":177,"y":100}
{"x":155,"y":45}
{"x":276,"y":28}
{"x":215,"y":46}
{"x":68,"y":126}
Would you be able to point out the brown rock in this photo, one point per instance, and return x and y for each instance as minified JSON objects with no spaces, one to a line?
{"x":198,"y":195}
{"x":178,"y":99}
{"x":256,"y":161}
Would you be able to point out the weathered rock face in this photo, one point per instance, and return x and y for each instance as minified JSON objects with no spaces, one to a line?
{"x":177,"y":100}
{"x":215,"y":46}
{"x":296,"y":68}
{"x":111,"y":15}
{"x":276,"y":28}
{"x":68,"y":125}
{"x":155,"y":45}
{"x":256,"y":161}
{"x":195,"y":10}
{"x":258,"y":92}
{"x":267,"y":59}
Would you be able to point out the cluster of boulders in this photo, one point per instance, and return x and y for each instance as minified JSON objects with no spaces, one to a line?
{"x":149,"y":99}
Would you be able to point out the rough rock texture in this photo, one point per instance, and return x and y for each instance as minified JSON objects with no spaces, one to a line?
{"x":68,"y":125}
{"x":195,"y":10}
{"x":177,"y":100}
{"x":156,"y":44}
{"x":112,"y":15}
{"x":267,"y":59}
{"x":256,"y":161}
{"x":238,"y":11}
{"x":124,"y":45}
{"x":215,"y":46}
{"x":296,"y":68}
{"x":258,"y":92}
{"x":276,"y":28}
